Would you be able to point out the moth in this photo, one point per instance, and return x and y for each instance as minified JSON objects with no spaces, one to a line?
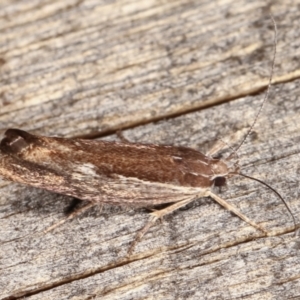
{"x":120,"y":172}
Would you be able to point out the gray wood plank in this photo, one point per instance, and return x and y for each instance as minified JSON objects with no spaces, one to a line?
{"x":86,"y":69}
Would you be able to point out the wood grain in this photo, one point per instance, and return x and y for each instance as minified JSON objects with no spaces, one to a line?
{"x":172,"y":72}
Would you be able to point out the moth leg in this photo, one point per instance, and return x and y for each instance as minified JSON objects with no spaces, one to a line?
{"x":233,"y":209}
{"x":154,"y":216}
{"x":141,"y":233}
{"x":71,"y":216}
{"x":122,"y":137}
{"x":218,"y":146}
{"x":73,"y":205}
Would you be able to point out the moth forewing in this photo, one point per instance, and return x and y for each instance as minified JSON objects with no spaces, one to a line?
{"x":160,"y":174}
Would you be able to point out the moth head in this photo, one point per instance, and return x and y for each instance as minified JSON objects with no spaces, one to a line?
{"x":222,"y":170}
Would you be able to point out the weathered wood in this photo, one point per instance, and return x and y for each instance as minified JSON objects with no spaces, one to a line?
{"x":83,"y":68}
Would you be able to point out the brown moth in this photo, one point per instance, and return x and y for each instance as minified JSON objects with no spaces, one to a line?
{"x":114,"y":172}
{"x":120,"y":173}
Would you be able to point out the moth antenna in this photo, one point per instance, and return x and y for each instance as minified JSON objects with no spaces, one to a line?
{"x":266,"y":94}
{"x":234,"y":153}
{"x":272,"y":189}
{"x":254,"y":122}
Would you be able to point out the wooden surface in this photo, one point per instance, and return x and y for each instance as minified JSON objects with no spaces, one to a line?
{"x":89,"y":68}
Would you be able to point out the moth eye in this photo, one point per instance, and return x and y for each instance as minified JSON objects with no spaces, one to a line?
{"x":219,"y":181}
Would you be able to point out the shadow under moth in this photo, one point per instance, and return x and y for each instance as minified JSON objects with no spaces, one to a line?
{"x":143,"y":175}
